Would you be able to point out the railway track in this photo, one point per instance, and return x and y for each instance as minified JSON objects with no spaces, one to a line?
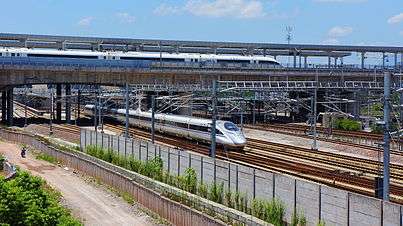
{"x":351,"y":173}
{"x":346,"y":172}
{"x":336,"y":138}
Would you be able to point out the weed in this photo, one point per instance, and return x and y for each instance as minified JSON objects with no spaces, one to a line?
{"x":46,"y":157}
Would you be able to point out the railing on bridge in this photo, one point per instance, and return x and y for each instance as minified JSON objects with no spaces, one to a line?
{"x":73,"y":63}
{"x":262,"y":86}
{"x":125,"y":65}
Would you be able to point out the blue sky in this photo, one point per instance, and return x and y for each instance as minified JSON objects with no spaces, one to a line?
{"x":354,"y":22}
{"x":369,"y":22}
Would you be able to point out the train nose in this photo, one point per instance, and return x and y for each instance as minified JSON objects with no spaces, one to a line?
{"x":238,"y":139}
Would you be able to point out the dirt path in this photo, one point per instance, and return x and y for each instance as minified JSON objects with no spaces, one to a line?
{"x":94,"y":205}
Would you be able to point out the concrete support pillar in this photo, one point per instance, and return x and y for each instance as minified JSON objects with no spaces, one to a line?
{"x":329,"y":61}
{"x":295,"y":59}
{"x":68,"y":105}
{"x":58,"y":102}
{"x":275,"y":57}
{"x":341,"y":61}
{"x":395,"y":64}
{"x":3,"y":106}
{"x":335,"y":62}
{"x":362,"y":60}
{"x":300,"y":64}
{"x":383,"y":60}
{"x":10,"y":106}
{"x":78,"y":104}
{"x":305,"y":61}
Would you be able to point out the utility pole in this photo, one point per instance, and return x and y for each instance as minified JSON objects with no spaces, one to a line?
{"x":25,"y":108}
{"x":51,"y":111}
{"x":153,"y":119}
{"x":386,"y":135}
{"x":95,"y":112}
{"x":100,"y":111}
{"x":127,"y":111}
{"x":314,"y":102}
{"x":213,"y":121}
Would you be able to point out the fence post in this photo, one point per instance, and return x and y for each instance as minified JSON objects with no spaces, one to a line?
{"x":169,"y":160}
{"x":109,"y":141}
{"x":215,"y":172}
{"x":274,"y":184}
{"x":147,"y":151}
{"x":320,"y":202}
{"x":295,"y":196}
{"x":254,"y":183}
{"x":132,"y":148}
{"x":125,"y":146}
{"x":190,"y":160}
{"x":229,"y":176}
{"x":201,"y":169}
{"x":90,"y":137}
{"x":348,"y":208}
{"x":236,"y":179}
{"x":140,"y":150}
{"x":102,"y":140}
{"x":179,"y":162}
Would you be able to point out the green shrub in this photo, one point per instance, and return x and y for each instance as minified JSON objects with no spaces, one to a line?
{"x":228,"y":199}
{"x":203,"y":190}
{"x":274,"y":212}
{"x":190,"y":180}
{"x":25,"y":200}
{"x":271,"y":211}
{"x":298,"y":219}
{"x":321,"y":223}
{"x":347,"y":124}
{"x":46,"y":157}
{"x":216,"y":193}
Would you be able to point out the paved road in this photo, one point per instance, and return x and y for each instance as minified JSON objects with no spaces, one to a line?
{"x":93,"y":204}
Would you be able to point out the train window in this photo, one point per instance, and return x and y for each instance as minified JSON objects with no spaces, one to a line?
{"x":18,"y":54}
{"x":230,"y":126}
{"x":12,"y":54}
{"x":113,"y":58}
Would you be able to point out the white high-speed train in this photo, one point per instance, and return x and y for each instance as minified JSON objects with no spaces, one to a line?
{"x":157,"y":57}
{"x":228,"y":134}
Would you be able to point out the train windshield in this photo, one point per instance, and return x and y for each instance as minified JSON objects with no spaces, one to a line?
{"x":230,"y":126}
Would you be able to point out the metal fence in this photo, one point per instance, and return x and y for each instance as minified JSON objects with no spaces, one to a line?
{"x":318,"y":202}
{"x":144,"y":190}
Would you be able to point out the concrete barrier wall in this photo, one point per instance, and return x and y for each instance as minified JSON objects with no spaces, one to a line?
{"x":145,"y":191}
{"x":334,"y":206}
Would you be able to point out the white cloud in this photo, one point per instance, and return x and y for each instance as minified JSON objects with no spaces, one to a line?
{"x":331,"y":41}
{"x":225,"y":8}
{"x":339,"y":31}
{"x":165,"y":9}
{"x":401,"y":33}
{"x":86,"y":21}
{"x":125,"y":17}
{"x":216,"y":8}
{"x":396,"y":19}
{"x":341,"y":1}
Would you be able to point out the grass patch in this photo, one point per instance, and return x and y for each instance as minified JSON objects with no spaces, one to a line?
{"x":46,"y":157}
{"x":271,"y":211}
